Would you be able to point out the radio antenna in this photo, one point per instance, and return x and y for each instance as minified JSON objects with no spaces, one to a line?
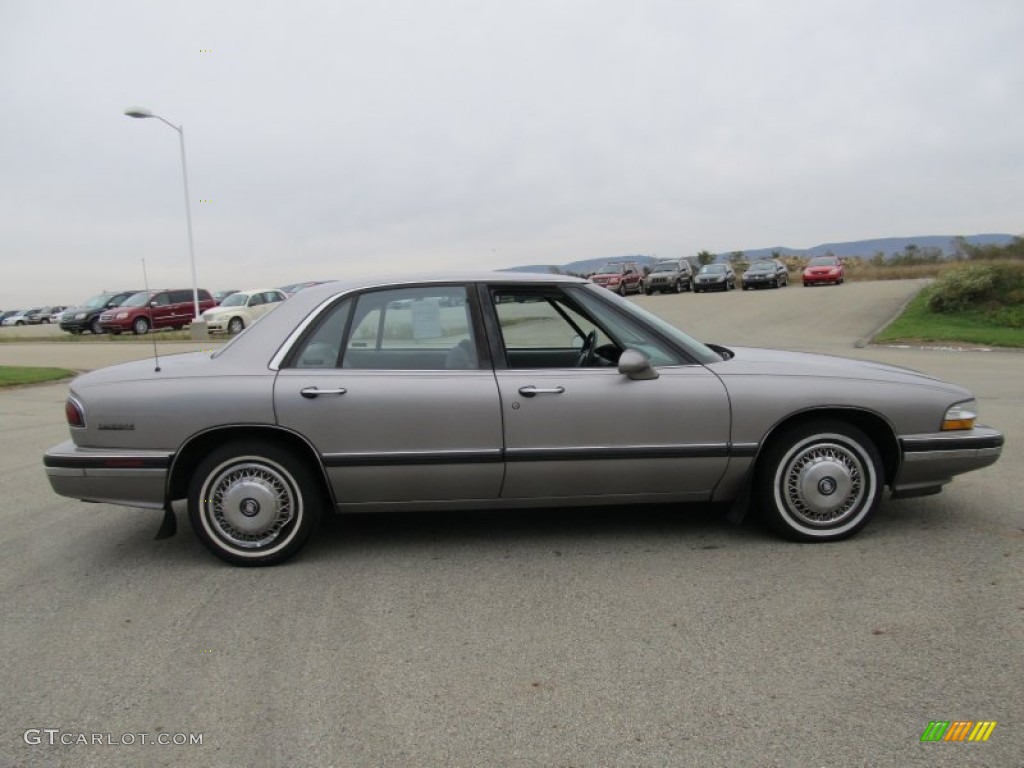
{"x":149,"y":309}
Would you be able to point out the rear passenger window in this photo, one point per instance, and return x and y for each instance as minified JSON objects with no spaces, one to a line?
{"x":424,"y":328}
{"x":321,"y":349}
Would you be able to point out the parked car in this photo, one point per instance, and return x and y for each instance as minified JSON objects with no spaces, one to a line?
{"x":9,"y":313}
{"x":765,"y":273}
{"x":494,"y":391}
{"x":241,"y":309}
{"x":824,"y":269}
{"x":623,"y":277}
{"x":672,"y":275}
{"x":715,"y":277}
{"x":86,"y":316}
{"x":21,"y":317}
{"x":219,"y":296}
{"x":147,"y":310}
{"x":43,"y":315}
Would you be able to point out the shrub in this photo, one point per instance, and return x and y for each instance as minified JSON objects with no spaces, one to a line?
{"x":959,"y":288}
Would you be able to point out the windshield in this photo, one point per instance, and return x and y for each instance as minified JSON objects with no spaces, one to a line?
{"x":97,"y":301}
{"x":612,"y":269}
{"x":235,"y":300}
{"x":696,"y":349}
{"x":761,"y":266}
{"x":140,"y":299}
{"x":666,"y":266}
{"x":713,"y":269}
{"x":822,"y":261}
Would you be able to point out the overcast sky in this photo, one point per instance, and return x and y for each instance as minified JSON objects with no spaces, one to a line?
{"x":343,"y":137}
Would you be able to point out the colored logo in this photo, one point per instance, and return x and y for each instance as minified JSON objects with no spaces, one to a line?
{"x":958,"y":730}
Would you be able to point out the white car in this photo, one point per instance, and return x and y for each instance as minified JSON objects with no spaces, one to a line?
{"x":240,"y":310}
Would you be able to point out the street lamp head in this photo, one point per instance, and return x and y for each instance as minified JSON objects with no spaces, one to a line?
{"x":138,"y":112}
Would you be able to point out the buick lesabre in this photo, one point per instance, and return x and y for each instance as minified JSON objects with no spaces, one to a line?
{"x":493,"y":390}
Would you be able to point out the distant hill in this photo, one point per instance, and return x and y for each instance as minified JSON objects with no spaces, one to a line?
{"x":889,"y":246}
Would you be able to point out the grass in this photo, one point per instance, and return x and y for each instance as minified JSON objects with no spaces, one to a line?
{"x":104,"y":338}
{"x":917,"y":323}
{"x":11,"y":375}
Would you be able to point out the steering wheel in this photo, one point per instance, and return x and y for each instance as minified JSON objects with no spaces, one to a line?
{"x":586,"y":356}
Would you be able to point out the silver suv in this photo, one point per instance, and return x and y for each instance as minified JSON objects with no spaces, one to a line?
{"x":675,"y":275}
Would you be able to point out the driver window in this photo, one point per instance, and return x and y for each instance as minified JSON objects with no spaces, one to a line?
{"x":542,"y":329}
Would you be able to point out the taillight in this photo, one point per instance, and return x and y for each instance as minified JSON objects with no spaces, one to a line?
{"x":74,"y":414}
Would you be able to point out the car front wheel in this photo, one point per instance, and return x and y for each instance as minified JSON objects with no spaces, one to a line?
{"x":95,"y":327}
{"x":821,"y":481}
{"x":236,"y":325}
{"x":140,"y":327}
{"x":253,"y":503}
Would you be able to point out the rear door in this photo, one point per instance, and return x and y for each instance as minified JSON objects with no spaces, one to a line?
{"x":394,"y":391}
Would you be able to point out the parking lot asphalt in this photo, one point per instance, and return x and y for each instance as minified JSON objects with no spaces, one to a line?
{"x":613,"y":637}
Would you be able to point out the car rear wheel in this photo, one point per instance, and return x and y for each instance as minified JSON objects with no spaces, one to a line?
{"x":820,"y":481}
{"x":141,"y":326}
{"x":236,"y":325}
{"x":253,"y":503}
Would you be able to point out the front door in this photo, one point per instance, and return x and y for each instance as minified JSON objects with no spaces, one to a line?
{"x":575,"y":426}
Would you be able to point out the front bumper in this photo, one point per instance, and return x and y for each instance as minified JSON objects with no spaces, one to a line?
{"x":131,"y":478}
{"x":930,"y":461}
{"x":824,"y":278}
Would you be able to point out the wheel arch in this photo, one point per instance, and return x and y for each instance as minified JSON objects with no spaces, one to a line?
{"x":193,"y":450}
{"x":872,"y":424}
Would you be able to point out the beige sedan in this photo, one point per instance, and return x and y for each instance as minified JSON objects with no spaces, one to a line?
{"x":240,"y":310}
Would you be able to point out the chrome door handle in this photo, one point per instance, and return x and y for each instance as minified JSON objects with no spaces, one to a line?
{"x":311,"y":392}
{"x":531,"y":391}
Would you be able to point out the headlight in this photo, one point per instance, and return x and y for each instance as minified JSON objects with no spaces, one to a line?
{"x":80,"y":316}
{"x":960,"y":416}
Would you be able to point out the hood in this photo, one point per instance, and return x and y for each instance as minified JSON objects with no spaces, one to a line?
{"x":751,"y":361}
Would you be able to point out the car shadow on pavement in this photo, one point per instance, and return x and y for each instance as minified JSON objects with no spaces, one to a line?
{"x":702,"y":526}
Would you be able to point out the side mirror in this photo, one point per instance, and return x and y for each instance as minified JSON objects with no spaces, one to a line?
{"x":636,"y":366}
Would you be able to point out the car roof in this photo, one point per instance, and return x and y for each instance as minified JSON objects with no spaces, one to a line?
{"x":316,"y":293}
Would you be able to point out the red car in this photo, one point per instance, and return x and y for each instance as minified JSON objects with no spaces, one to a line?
{"x":620,"y":276}
{"x":155,"y":309}
{"x":823,"y":269}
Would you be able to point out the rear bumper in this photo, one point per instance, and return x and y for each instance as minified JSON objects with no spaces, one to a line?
{"x":930,"y":461}
{"x":131,"y":478}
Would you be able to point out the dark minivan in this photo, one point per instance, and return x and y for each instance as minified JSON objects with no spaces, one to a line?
{"x":86,"y":316}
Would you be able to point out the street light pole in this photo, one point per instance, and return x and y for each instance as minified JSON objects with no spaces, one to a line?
{"x":142,"y":112}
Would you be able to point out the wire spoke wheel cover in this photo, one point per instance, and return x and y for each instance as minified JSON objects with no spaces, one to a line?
{"x":821,"y":482}
{"x":250,"y":503}
{"x":253,"y":504}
